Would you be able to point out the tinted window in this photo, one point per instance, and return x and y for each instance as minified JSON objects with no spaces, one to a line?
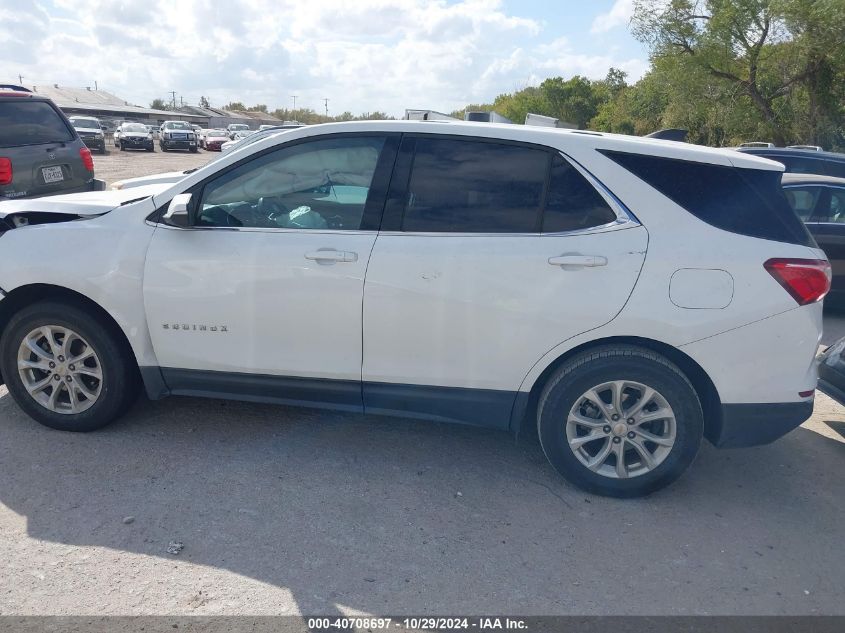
{"x":831,"y":206}
{"x":315,"y":185}
{"x":802,"y":200}
{"x":31,"y":122}
{"x":573,"y":203}
{"x":835,"y":168}
{"x":475,"y":187}
{"x":799,"y":165}
{"x":745,"y":201}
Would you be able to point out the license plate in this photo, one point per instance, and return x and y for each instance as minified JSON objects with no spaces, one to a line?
{"x":52,"y":174}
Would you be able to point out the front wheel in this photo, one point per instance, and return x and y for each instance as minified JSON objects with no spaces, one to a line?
{"x":66,"y":367}
{"x":620,"y":421}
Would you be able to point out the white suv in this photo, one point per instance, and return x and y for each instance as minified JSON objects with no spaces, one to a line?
{"x":628,"y":296}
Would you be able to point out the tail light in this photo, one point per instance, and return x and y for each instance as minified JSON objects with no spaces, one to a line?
{"x":807,"y":280}
{"x":5,"y":171}
{"x":87,"y":160}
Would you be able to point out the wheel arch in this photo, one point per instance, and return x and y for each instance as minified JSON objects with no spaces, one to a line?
{"x":525,"y":406}
{"x":23,"y":296}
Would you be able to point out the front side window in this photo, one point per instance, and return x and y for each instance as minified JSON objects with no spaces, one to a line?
{"x":831,"y":206}
{"x":320,"y":184}
{"x":802,"y":200}
{"x":460,"y":186}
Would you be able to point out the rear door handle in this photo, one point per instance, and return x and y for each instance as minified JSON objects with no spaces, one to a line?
{"x":331,"y":255}
{"x":578,"y":261}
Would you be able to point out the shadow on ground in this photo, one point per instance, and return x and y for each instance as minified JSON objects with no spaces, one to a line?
{"x":389,"y":515}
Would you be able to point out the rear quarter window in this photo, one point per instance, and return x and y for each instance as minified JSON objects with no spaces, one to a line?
{"x":743,"y":201}
{"x":24,"y":122}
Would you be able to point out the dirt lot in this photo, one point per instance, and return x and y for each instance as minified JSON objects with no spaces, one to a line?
{"x":288,"y":511}
{"x":117,"y":165}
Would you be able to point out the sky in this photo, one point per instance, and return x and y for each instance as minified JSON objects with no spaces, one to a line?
{"x":363,"y":55}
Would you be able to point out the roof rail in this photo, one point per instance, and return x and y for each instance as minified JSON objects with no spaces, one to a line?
{"x":811,"y":148}
{"x":540,"y":120}
{"x":14,"y":87}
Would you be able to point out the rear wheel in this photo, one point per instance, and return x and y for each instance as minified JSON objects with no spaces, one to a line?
{"x":66,"y":368}
{"x":620,"y":421}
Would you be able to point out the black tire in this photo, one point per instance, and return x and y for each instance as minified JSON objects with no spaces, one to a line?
{"x":120,"y":380}
{"x":122,"y":147}
{"x":193,"y":150}
{"x":604,"y":364}
{"x":162,"y":146}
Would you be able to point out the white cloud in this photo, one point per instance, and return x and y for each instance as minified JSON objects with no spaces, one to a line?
{"x":619,"y":15}
{"x":362,"y":55}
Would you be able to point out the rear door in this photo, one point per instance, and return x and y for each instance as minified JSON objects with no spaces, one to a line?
{"x":490,"y":254}
{"x":43,"y":149}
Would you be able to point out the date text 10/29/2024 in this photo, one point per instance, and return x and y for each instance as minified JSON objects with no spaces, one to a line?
{"x":428,"y":623}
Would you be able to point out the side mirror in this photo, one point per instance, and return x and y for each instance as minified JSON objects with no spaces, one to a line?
{"x":177,"y":211}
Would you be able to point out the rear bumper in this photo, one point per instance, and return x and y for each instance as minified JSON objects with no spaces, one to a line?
{"x":95,"y":184}
{"x":743,"y":425}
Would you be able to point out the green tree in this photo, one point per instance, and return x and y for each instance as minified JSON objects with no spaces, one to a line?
{"x":259,"y":107}
{"x":766,"y":50}
{"x":159,"y":104}
{"x":234,"y":105}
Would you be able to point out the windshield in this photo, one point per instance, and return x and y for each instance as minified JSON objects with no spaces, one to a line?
{"x":86,"y":123}
{"x":177,"y":125}
{"x":135,"y":127}
{"x":31,"y":123}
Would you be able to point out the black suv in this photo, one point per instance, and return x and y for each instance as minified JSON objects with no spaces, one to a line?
{"x":803,"y":161}
{"x":41,"y":153}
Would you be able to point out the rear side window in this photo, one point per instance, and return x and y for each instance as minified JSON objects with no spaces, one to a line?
{"x":744,"y":201}
{"x":835,"y":168}
{"x":799,"y":164}
{"x":25,"y":122}
{"x":462,"y":186}
{"x":573,"y":203}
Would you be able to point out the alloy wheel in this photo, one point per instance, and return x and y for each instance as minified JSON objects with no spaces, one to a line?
{"x":59,"y":369}
{"x":621,"y":429}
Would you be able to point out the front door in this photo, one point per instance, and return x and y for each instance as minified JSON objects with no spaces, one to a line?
{"x":262,"y":296}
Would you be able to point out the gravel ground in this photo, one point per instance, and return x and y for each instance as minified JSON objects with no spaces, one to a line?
{"x":292,"y":511}
{"x":117,"y":165}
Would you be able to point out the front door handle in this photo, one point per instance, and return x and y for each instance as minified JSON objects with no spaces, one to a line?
{"x":578,"y":261}
{"x":331,"y":255}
